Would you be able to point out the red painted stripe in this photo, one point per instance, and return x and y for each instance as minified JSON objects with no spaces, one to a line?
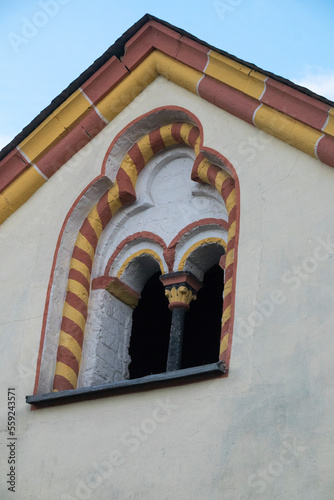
{"x":74,"y":301}
{"x":230,"y":244}
{"x":103,"y":209}
{"x":229,"y":272}
{"x":11,"y":167}
{"x":227,"y":188}
{"x":232,"y":215}
{"x":60,"y":383}
{"x":325,"y":150}
{"x":127,"y":193}
{"x":194,"y":173}
{"x":225,"y":328}
{"x":140,"y":235}
{"x":295,"y":104}
{"x":71,"y":144}
{"x":88,"y":232}
{"x":176,"y":132}
{"x":105,"y":79}
{"x":227,"y":98}
{"x":137,"y":157}
{"x":70,"y":327}
{"x":83,"y":257}
{"x":80,"y":278}
{"x":212,"y":174}
{"x":227,"y":301}
{"x":193,"y":136}
{"x":67,"y":357}
{"x":156,"y":141}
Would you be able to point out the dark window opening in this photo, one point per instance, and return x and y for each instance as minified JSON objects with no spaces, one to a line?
{"x":151,"y":322}
{"x":202,"y":328}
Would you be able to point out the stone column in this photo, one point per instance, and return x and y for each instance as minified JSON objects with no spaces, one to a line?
{"x":180,"y":289}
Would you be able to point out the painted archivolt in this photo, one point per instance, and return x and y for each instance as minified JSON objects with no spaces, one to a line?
{"x":123,"y":192}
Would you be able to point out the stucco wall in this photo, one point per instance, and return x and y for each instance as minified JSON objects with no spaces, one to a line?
{"x":263,"y":432}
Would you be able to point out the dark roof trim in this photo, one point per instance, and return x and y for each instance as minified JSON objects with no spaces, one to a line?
{"x":117,"y":49}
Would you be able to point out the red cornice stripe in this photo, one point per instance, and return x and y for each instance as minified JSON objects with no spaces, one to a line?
{"x":11,"y":167}
{"x":227,"y":98}
{"x":325,"y":150}
{"x":137,"y":157}
{"x":127,"y":191}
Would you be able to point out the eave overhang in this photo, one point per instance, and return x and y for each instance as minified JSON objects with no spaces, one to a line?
{"x":149,"y":49}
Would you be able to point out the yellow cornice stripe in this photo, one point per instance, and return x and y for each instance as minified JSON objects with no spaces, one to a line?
{"x":19,"y":192}
{"x":95,"y":221}
{"x":231,"y":201}
{"x":227,"y":314}
{"x":66,"y":372}
{"x":196,"y":245}
{"x":329,"y":128}
{"x":71,"y":344}
{"x":145,"y":147}
{"x":166,"y":134}
{"x":121,"y":293}
{"x":55,"y":126}
{"x":229,"y":258}
{"x":228,"y":286}
{"x":235,"y":75}
{"x":287,"y":129}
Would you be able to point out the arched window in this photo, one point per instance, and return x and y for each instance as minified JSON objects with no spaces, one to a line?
{"x":174,"y":220}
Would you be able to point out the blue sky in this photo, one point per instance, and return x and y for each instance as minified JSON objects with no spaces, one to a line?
{"x":46,"y":44}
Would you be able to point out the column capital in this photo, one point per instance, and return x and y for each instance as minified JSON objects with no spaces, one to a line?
{"x":180,"y":289}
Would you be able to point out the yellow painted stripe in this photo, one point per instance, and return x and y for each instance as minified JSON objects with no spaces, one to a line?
{"x":55,"y":126}
{"x":113,"y":199}
{"x":329,"y":129}
{"x":223,"y":344}
{"x":197,"y":145}
{"x":228,"y":286}
{"x":145,"y":148}
{"x":231,"y":230}
{"x":166,"y":134}
{"x":287,"y":129}
{"x":235,"y":75}
{"x":205,"y":241}
{"x":19,"y":192}
{"x":81,"y":267}
{"x":202,"y":170}
{"x":84,"y":244}
{"x":79,"y":290}
{"x":95,"y":221}
{"x":71,"y":344}
{"x":227,"y":314}
{"x":184,"y":132}
{"x":146,"y":251}
{"x":130,"y":169}
{"x":231,"y":201}
{"x":66,"y":372}
{"x":73,"y":314}
{"x":177,"y":72}
{"x":229,"y":258}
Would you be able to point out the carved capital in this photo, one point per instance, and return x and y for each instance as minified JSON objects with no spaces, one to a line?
{"x":180,"y":296}
{"x":180,"y":289}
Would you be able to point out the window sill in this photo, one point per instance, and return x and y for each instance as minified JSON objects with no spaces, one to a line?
{"x":86,"y":393}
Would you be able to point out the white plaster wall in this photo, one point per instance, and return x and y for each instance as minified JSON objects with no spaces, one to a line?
{"x":264,"y":432}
